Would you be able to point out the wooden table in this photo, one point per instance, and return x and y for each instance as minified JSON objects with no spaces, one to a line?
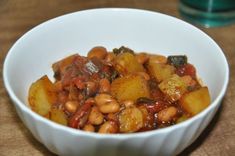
{"x":19,"y":16}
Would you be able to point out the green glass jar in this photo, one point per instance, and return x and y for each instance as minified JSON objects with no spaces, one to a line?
{"x":209,"y":13}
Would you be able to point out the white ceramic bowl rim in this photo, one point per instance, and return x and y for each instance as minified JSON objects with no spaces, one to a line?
{"x":116,"y":136}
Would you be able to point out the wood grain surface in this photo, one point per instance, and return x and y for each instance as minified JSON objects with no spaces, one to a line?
{"x":19,"y":16}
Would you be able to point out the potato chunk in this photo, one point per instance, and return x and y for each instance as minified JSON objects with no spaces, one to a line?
{"x":129,"y":88}
{"x":42,"y":95}
{"x":155,"y":58}
{"x":173,"y":87}
{"x":182,"y":118}
{"x":148,"y":118}
{"x":159,"y":70}
{"x":58,"y":116}
{"x":131,"y":120}
{"x":126,"y":63}
{"x":196,"y":101}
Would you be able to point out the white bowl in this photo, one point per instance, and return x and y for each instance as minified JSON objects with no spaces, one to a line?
{"x":33,"y":54}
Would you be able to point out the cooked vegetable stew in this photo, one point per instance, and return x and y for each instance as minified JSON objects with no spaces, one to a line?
{"x":119,"y":91}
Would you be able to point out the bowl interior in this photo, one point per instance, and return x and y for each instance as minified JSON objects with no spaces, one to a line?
{"x":33,"y":54}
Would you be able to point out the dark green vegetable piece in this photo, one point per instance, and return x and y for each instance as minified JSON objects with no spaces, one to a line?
{"x":122,"y":49}
{"x":177,"y":60}
{"x":145,"y":100}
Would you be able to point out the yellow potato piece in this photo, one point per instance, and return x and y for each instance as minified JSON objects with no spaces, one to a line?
{"x":131,"y":120}
{"x":196,"y":101}
{"x":58,"y":116}
{"x":129,"y":88}
{"x":126,"y":63}
{"x":155,"y":58}
{"x":173,"y":87}
{"x":182,"y":119}
{"x":160,"y":71}
{"x":41,"y":96}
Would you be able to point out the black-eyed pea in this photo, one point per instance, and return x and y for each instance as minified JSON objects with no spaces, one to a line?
{"x":128,"y":103}
{"x":104,"y":85}
{"x":142,"y":57}
{"x":91,"y":88}
{"x":144,"y":75}
{"x":91,"y":100}
{"x":158,"y":59}
{"x":101,"y":99}
{"x":112,"y":116}
{"x":187,"y":79}
{"x":71,"y":106}
{"x":167,"y":114}
{"x":58,"y":85}
{"x":110,"y":57}
{"x":108,"y":127}
{"x":89,"y":128}
{"x":98,"y":52}
{"x":110,"y":107}
{"x":95,"y":116}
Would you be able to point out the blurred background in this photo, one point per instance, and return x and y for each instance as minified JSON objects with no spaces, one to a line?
{"x":215,"y":17}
